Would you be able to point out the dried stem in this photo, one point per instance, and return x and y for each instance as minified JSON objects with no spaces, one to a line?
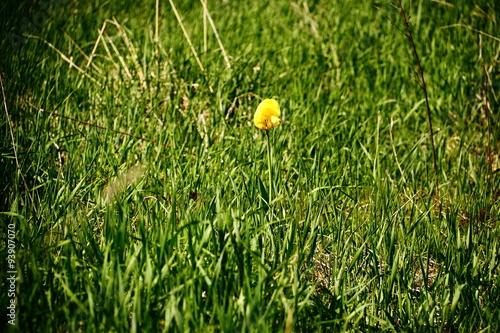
{"x":424,"y":89}
{"x":157,"y":20}
{"x":186,"y":35}
{"x":486,"y":109}
{"x":65,"y":58}
{"x":214,"y":29}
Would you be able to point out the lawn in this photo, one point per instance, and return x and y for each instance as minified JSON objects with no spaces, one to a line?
{"x":137,"y":194}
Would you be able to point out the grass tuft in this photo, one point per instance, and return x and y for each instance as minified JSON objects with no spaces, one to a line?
{"x":138,"y":195}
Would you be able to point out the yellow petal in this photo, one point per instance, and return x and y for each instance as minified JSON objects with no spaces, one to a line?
{"x":269,"y":107}
{"x":266,"y":116}
{"x":275,"y":121}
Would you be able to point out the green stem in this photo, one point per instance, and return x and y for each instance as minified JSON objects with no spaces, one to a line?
{"x":269,"y":159}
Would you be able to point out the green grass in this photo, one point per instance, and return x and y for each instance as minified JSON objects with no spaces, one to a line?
{"x":115,"y":233}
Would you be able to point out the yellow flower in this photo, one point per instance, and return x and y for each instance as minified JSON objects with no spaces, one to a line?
{"x":266,"y":116}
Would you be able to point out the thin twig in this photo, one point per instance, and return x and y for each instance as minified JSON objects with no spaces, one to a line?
{"x":94,"y":125}
{"x":424,"y":89}
{"x":11,"y":129}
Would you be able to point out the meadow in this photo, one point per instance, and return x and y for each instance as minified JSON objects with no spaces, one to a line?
{"x":138,"y":196}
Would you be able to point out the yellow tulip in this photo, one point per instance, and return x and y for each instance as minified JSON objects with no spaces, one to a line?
{"x":266,"y":116}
